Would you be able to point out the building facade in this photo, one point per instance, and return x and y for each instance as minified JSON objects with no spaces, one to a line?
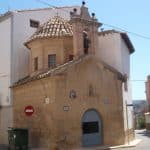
{"x":15,"y":28}
{"x":147,"y":87}
{"x":140,"y":108}
{"x":79,"y":98}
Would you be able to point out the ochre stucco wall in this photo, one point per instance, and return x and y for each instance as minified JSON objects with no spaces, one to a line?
{"x":52,"y":127}
{"x":62,"y":47}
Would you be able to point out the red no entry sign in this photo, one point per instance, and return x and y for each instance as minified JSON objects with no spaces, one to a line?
{"x":29,"y":110}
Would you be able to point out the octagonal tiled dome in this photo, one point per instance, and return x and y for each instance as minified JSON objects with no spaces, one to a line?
{"x":55,"y":27}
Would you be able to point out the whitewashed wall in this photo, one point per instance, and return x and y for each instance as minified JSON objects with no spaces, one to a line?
{"x":5,"y":44}
{"x":114,"y":51}
{"x":5,"y":99}
{"x":127,"y":95}
{"x":109,"y":50}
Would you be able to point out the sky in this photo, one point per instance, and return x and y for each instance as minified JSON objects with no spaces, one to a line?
{"x":131,"y":15}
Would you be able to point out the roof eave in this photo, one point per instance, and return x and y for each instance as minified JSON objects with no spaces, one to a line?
{"x":128,"y":42}
{"x":28,"y":42}
{"x":6,"y":16}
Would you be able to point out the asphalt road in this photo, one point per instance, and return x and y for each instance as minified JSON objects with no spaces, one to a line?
{"x":144,"y":144}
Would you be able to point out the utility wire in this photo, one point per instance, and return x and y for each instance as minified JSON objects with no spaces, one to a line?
{"x":55,"y":7}
{"x":138,"y":80}
{"x":133,"y":33}
{"x":109,"y":25}
{"x":45,"y":3}
{"x":112,"y":26}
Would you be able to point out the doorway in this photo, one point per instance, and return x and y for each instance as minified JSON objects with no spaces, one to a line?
{"x":91,"y":128}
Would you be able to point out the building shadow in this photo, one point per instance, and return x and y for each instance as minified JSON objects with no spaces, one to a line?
{"x":4,"y":147}
{"x":144,"y":133}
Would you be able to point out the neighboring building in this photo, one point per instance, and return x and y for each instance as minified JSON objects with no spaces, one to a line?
{"x":140,"y":107}
{"x":15,"y":28}
{"x":79,"y":98}
{"x":147,"y":115}
{"x":147,"y":121}
{"x":147,"y":86}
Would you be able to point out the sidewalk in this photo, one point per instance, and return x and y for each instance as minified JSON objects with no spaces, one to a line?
{"x":131,"y":144}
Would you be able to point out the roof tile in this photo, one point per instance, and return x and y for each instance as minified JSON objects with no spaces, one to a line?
{"x":55,"y":27}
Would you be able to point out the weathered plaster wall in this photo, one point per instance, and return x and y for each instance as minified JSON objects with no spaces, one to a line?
{"x":50,"y":124}
{"x":62,"y":47}
{"x":114,"y":51}
{"x":5,"y":65}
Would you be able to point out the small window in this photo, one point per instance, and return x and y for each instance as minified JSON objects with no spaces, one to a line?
{"x":71,"y":57}
{"x":90,"y":127}
{"x":126,"y":85}
{"x":35,"y":63}
{"x":34,"y":23}
{"x":86,"y":42}
{"x":52,"y":60}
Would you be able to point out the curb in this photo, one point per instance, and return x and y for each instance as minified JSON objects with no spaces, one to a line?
{"x":131,"y":144}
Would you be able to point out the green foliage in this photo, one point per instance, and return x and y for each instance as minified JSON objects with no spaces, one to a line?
{"x":141,"y":122}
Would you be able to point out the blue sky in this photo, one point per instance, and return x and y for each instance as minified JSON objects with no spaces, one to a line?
{"x":131,"y":15}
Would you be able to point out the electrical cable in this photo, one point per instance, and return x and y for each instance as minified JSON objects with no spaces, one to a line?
{"x":133,"y":33}
{"x":109,"y":25}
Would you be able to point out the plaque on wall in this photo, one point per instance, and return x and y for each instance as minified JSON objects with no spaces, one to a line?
{"x":107,"y":101}
{"x":66,"y":108}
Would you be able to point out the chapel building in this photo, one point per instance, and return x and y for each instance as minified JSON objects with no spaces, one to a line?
{"x":77,"y":97}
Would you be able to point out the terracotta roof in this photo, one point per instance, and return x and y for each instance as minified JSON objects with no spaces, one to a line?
{"x":57,"y":70}
{"x":62,"y":68}
{"x":123,"y":35}
{"x":55,"y":27}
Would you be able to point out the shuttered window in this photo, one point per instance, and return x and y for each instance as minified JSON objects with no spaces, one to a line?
{"x":52,"y":60}
{"x":35,"y":63}
{"x":34,"y":23}
{"x":71,"y":57}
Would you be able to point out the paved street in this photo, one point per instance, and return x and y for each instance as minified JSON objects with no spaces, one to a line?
{"x":140,"y":134}
{"x":144,"y":145}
